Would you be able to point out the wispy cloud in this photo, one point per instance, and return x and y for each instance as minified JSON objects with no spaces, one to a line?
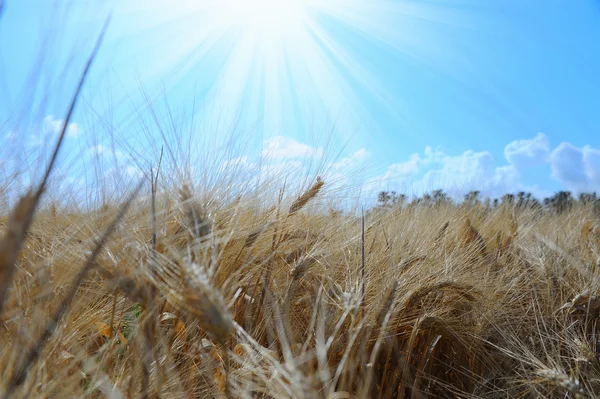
{"x":53,"y":126}
{"x":97,"y":150}
{"x":286,"y":159}
{"x":281,"y":147}
{"x":102,"y":151}
{"x":350,"y":160}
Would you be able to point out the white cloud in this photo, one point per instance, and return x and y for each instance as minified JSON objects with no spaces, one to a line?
{"x":455,"y":174}
{"x":470,"y":171}
{"x":591,"y":161}
{"x":242,"y":162}
{"x":567,"y":166}
{"x":416,"y":163}
{"x":287,"y":160}
{"x":526,"y":153}
{"x":73,"y":130}
{"x":351,"y":160}
{"x":97,"y":150}
{"x":54,"y":126}
{"x":132,"y":171}
{"x":406,"y":169}
{"x":100,"y":150}
{"x":280,"y":147}
{"x":346,"y":171}
{"x":577,"y":169}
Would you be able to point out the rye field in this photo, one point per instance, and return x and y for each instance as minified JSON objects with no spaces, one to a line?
{"x":180,"y":293}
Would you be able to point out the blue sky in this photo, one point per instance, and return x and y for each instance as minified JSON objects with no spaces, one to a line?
{"x":416,"y":95}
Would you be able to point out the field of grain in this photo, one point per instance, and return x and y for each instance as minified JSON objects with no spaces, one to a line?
{"x":181,"y":296}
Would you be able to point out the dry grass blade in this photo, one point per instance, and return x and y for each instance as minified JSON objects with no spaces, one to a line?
{"x":383,"y":319}
{"x":198,"y":224}
{"x":133,"y":290}
{"x":472,"y":237}
{"x":339,"y":395}
{"x":21,"y":371}
{"x":440,"y":329}
{"x":206,"y":303}
{"x":252,"y":237}
{"x":301,"y":268}
{"x":405,"y":265}
{"x":306,"y":197}
{"x":424,"y":361}
{"x":387,"y":305}
{"x":552,"y":245}
{"x":465,"y":291}
{"x":149,"y":327}
{"x":22,"y":216}
{"x":362,"y":261}
{"x":442,"y":232}
{"x":154,"y":184}
{"x":18,"y":223}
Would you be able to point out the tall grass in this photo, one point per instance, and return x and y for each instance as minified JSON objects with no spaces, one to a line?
{"x":459,"y":302}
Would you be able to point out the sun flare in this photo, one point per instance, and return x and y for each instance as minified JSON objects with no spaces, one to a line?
{"x":266,"y":16}
{"x":262,"y":51}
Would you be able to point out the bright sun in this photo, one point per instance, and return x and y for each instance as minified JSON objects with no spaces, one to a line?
{"x":266,"y":16}
{"x":283,"y":62}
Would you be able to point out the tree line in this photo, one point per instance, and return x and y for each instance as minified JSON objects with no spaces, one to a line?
{"x":560,"y":202}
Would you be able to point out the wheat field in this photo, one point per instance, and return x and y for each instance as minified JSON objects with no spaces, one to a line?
{"x":195,"y":298}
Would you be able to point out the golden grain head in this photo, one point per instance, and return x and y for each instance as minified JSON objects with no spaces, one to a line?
{"x":306,"y":197}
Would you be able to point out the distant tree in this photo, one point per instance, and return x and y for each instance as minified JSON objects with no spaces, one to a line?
{"x":472,"y":198}
{"x":547,"y":202}
{"x":390,"y":198}
{"x":527,"y":200}
{"x":436,"y":197}
{"x":488,"y":204}
{"x":534,"y":203}
{"x":439,"y":197}
{"x":508,"y":199}
{"x":592,"y":200}
{"x":588,"y":198}
{"x":383,"y":198}
{"x":401,"y":199}
{"x":521,"y":198}
{"x":560,"y":202}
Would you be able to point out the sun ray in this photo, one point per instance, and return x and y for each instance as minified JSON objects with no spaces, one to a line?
{"x":286,"y":62}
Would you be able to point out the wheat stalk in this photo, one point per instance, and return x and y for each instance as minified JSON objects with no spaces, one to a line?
{"x":31,"y":356}
{"x":302,"y":200}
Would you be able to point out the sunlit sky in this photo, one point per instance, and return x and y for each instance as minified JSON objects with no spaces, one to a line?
{"x":495,"y":95}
